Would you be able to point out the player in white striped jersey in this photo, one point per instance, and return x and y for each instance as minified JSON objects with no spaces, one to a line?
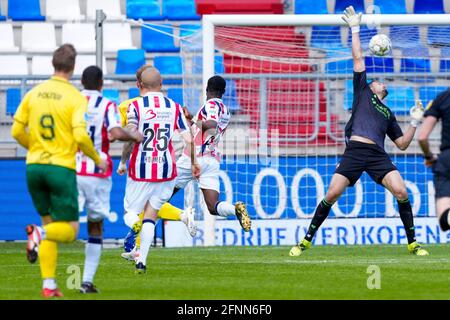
{"x":94,"y":187}
{"x":209,"y":126}
{"x":152,"y":168}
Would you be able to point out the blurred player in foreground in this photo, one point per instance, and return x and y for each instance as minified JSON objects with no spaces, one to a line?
{"x":167,"y":211}
{"x":54,"y":113}
{"x":365,"y":133}
{"x":439,"y":110}
{"x":152,"y":169}
{"x":94,"y":187}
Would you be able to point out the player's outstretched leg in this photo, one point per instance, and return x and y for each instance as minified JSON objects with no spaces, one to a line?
{"x":337,"y":186}
{"x":321,"y":213}
{"x":394,"y":183}
{"x":225,"y":209}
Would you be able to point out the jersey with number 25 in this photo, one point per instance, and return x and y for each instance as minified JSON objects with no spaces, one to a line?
{"x":156,"y":117}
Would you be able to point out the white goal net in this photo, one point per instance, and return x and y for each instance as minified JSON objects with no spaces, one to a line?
{"x":290,"y":91}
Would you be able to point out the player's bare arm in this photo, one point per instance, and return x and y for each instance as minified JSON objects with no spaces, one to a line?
{"x":189,"y":140}
{"x":354,"y":20}
{"x":121,"y":134}
{"x":427,"y":127}
{"x":126,"y":152}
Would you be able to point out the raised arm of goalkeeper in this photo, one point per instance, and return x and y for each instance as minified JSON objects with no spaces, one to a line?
{"x":354,"y":20}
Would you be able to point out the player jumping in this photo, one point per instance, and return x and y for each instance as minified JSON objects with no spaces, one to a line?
{"x":439,"y":109}
{"x":153,"y":170}
{"x":365,"y":132}
{"x":94,"y":187}
{"x":209,"y":126}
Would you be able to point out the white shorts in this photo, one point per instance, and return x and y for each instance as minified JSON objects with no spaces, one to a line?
{"x":138,"y":193}
{"x":209,"y":173}
{"x":94,"y":194}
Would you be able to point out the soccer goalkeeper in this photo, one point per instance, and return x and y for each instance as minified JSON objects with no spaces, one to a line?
{"x":365,"y":132}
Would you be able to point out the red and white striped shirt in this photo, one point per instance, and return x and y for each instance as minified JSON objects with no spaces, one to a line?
{"x":207,"y":143}
{"x":156,"y":117}
{"x":102,"y":116}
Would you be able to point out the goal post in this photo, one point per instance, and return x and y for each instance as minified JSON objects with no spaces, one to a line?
{"x":309,"y":126}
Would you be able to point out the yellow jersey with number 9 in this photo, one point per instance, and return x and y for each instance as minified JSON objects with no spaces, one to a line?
{"x":51,"y":110}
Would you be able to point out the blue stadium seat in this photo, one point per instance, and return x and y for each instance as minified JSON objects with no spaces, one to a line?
{"x":230,"y":98}
{"x":391,"y":7}
{"x":129,"y":60}
{"x":188,"y":29}
{"x":133,"y":93}
{"x":176,"y":94}
{"x":400,"y":99}
{"x":416,"y":60}
{"x":311,"y":7}
{"x":154,"y":41}
{"x":2,"y":18}
{"x":112,"y":94}
{"x":426,"y":94}
{"x":412,"y":64}
{"x":25,"y":10}
{"x":398,"y":39}
{"x":326,"y":37}
{"x":379,"y":64}
{"x":144,"y":9}
{"x":198,"y":64}
{"x":180,"y":10}
{"x":13,"y":98}
{"x":365,"y":35}
{"x":170,"y":65}
{"x":429,"y":6}
{"x":439,"y":35}
{"x":444,"y":65}
{"x":342,"y":4}
{"x":341,"y":66}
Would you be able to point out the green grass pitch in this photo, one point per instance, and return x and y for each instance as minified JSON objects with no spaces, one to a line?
{"x":324,"y":272}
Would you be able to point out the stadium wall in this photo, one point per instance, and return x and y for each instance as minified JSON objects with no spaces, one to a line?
{"x":280,"y":216}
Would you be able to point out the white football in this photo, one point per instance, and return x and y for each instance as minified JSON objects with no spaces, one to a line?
{"x":380,"y":45}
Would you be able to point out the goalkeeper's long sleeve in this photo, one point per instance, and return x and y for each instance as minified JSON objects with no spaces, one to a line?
{"x":19,"y":132}
{"x":85,"y":144}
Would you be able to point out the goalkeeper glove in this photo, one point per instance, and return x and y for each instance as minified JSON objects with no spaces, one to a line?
{"x":416,"y":113}
{"x":352,"y":19}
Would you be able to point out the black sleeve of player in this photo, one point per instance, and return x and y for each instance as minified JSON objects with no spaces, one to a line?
{"x":435,"y":109}
{"x":359,"y":82}
{"x":394,"y":131}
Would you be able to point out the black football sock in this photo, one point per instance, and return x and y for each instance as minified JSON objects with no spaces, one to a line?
{"x":404,"y":207}
{"x":322,"y":211}
{"x":444,"y":220}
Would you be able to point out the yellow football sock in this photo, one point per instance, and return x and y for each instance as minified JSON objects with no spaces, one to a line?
{"x":59,"y":231}
{"x":169,"y":212}
{"x":138,"y":237}
{"x":48,"y":253}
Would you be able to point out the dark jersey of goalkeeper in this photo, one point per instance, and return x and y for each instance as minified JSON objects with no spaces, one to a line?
{"x":370,"y":118}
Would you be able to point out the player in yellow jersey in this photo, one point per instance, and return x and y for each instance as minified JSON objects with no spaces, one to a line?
{"x":50,"y":123}
{"x":167,"y":211}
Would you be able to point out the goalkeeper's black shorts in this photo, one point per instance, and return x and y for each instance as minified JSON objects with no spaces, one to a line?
{"x":359,"y":157}
{"x":441,"y":175}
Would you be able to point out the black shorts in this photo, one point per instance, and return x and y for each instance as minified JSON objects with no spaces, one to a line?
{"x":359,"y":157}
{"x":441,"y":175}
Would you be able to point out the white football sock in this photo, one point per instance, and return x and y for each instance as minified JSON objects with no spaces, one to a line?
{"x":93,"y":252}
{"x":147,"y":234}
{"x":130,"y":219}
{"x":225,"y":209}
{"x":183,"y":217}
{"x":49,"y":283}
